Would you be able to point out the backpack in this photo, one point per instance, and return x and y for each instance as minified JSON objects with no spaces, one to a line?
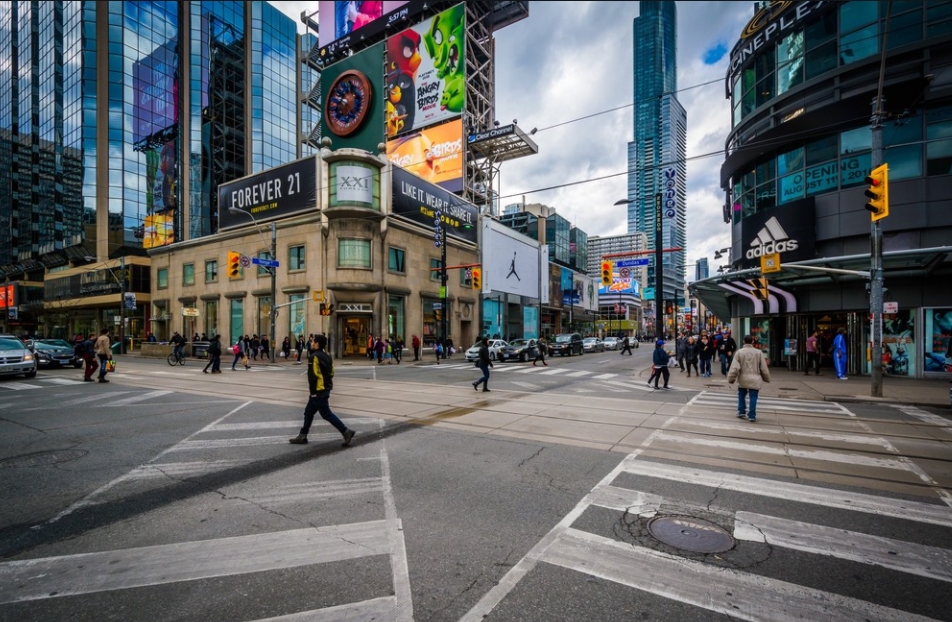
{"x":236,"y":349}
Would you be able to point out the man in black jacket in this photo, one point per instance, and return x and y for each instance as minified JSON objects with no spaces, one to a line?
{"x":320,"y":380}
{"x":484,"y":364}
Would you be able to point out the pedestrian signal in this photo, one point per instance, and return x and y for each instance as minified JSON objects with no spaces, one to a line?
{"x":234,"y":265}
{"x":607,"y":269}
{"x":477,"y":278}
{"x":761,"y":289}
{"x":878,"y":192}
{"x":326,"y":309}
{"x":668,"y":307}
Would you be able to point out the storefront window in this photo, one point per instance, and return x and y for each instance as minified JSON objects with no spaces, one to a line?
{"x":821,"y":178}
{"x":790,"y":161}
{"x":860,"y":44}
{"x":431,"y":321}
{"x":899,"y":348}
{"x":855,"y":15}
{"x":264,"y":315}
{"x":237,"y":323}
{"x":791,"y":187}
{"x":296,"y":316}
{"x":853,"y":171}
{"x":937,"y":353}
{"x":396,"y":326}
{"x":904,"y":162}
{"x":211,"y":318}
{"x":760,"y":329}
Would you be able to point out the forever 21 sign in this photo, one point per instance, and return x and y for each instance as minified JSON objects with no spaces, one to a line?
{"x":281,"y":191}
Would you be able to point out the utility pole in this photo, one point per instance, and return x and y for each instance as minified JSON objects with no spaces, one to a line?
{"x":274,"y":286}
{"x":443,"y":284}
{"x":122,"y":304}
{"x":659,"y":276}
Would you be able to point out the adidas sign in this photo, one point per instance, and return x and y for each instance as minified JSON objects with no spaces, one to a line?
{"x":771,"y":239}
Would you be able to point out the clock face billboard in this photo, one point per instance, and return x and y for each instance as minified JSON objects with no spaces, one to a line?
{"x":352,"y":101}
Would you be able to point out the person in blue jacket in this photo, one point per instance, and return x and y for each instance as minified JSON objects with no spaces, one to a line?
{"x":660,"y":359}
{"x":839,"y":353}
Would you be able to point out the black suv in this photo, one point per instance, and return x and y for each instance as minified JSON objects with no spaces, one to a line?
{"x":566,"y":344}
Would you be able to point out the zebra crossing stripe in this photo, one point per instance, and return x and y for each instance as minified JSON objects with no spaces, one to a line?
{"x":320,"y":490}
{"x":86,"y":573}
{"x":729,"y":402}
{"x":909,"y":557}
{"x":272,"y":425}
{"x":62,"y":381}
{"x":138,"y":398}
{"x":633,"y":501}
{"x":550,"y":372}
{"x":183,"y":469}
{"x":574,"y":374}
{"x":604,"y":376}
{"x":799,"y":493}
{"x":20,"y":386}
{"x":730,"y":592}
{"x":246,"y":442}
{"x":374,"y":609}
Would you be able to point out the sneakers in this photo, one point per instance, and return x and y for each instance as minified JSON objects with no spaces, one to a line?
{"x":348,"y":437}
{"x":666,"y":388}
{"x":103,"y":380}
{"x":741,"y":415}
{"x":300,"y":439}
{"x":843,"y":378}
{"x":752,"y":419}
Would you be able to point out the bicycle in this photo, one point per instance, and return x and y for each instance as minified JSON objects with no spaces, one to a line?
{"x":173,"y":359}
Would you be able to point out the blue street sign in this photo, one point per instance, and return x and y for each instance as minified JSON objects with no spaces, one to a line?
{"x":267,"y":263}
{"x":632,"y":263}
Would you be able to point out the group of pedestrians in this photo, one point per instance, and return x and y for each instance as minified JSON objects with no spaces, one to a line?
{"x":388,"y":351}
{"x":96,"y":354}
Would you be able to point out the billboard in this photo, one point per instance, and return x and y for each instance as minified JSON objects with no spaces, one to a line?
{"x":354,"y":23}
{"x":6,"y":297}
{"x":352,"y":104}
{"x":426,"y":72}
{"x":159,"y":229}
{"x":434,"y":154}
{"x":510,"y":261}
{"x":791,"y":232}
{"x":418,"y":200}
{"x":155,"y":85}
{"x":281,"y":191}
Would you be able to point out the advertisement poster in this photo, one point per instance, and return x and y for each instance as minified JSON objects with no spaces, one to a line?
{"x":426,"y":73}
{"x":159,"y":229}
{"x":277,"y":192}
{"x":350,"y":16}
{"x":434,"y":154}
{"x":938,"y":346}
{"x":899,"y":351}
{"x":419,"y":201}
{"x":530,"y":321}
{"x":352,"y":104}
{"x":161,"y":178}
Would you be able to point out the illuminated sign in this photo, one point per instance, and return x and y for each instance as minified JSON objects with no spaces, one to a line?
{"x":769,"y":24}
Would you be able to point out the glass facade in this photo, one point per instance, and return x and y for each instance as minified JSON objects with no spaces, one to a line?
{"x":557,"y":236}
{"x":273,"y":95}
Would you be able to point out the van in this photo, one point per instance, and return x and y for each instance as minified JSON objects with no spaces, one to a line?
{"x":566,"y":344}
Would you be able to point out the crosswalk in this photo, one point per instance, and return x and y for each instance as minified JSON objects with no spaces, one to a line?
{"x":799,"y":521}
{"x":607,"y":381}
{"x":38,"y":382}
{"x":231,"y":444}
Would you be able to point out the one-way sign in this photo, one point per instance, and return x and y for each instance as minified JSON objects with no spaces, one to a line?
{"x":267,"y":263}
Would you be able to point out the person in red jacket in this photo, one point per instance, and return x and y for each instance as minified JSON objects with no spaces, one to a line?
{"x":416,"y":348}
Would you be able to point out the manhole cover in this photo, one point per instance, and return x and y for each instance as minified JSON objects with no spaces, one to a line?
{"x":43,"y":458}
{"x":690,"y":534}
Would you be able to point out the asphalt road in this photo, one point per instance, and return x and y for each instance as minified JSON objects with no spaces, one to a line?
{"x":170,"y":495}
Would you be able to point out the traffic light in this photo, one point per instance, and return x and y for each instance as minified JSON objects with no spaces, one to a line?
{"x":668,"y":307}
{"x":878,"y":192}
{"x":760,"y":291}
{"x":326,"y":309}
{"x":234,"y":265}
{"x":477,"y":279}
{"x":607,"y":269}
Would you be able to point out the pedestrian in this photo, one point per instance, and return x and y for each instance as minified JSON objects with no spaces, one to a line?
{"x":705,"y":352}
{"x":691,"y":356}
{"x":265,"y":347}
{"x":371,"y":347}
{"x":204,"y":337}
{"x":813,"y":353}
{"x":749,"y":370}
{"x":839,"y":353}
{"x":483,"y":363}
{"x":320,"y":382}
{"x":660,"y":358}
{"x":398,"y":349}
{"x":255,"y":347}
{"x":438,"y":349}
{"x":725,"y":350}
{"x":541,"y":347}
{"x":214,"y":355}
{"x":450,"y":348}
{"x":87,"y":349}
{"x":683,"y":350}
{"x":626,"y":347}
{"x":240,"y":354}
{"x":380,"y":348}
{"x":415,"y":343}
{"x":300,"y":349}
{"x":286,"y":348}
{"x":103,"y":349}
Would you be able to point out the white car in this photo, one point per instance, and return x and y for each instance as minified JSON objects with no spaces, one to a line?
{"x":593,"y":344}
{"x":611,"y":343}
{"x":495,"y":345}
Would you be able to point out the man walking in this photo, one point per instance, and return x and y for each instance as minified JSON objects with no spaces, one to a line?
{"x":541,"y":347}
{"x":104,"y":352}
{"x":320,"y":382}
{"x":214,"y":355}
{"x":415,"y":343}
{"x":749,"y":370}
{"x":839,"y":353}
{"x":813,"y":353}
{"x":725,"y":350}
{"x":88,"y":350}
{"x":660,"y":358}
{"x":626,"y":347}
{"x":484,"y":364}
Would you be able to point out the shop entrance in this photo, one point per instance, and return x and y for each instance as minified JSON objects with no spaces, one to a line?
{"x":355,"y":331}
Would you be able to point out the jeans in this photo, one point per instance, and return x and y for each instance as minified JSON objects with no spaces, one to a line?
{"x":664,"y":373}
{"x":177,"y":351}
{"x":813,"y":362}
{"x":485,"y":379}
{"x":742,"y":402}
{"x":321,"y":404}
{"x":237,"y":360}
{"x":705,"y":366}
{"x":102,"y":365}
{"x":725,"y":363}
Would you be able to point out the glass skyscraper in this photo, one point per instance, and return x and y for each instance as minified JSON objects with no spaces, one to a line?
{"x":656,"y":156}
{"x":118,"y":120}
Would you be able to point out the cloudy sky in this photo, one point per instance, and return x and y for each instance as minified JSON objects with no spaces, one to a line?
{"x":567,"y":71}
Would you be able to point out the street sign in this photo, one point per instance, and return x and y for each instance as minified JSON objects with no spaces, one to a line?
{"x":13,"y":313}
{"x":245,"y":261}
{"x":258,"y":261}
{"x":890,"y":307}
{"x":632,"y":263}
{"x":319,"y":296}
{"x":437,"y":305}
{"x":624,"y":273}
{"x":770,"y":263}
{"x":190,"y":311}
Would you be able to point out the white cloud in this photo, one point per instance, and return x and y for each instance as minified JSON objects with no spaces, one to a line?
{"x":561,"y":64}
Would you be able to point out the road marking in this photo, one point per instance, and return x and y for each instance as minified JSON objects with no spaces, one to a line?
{"x":63,"y":381}
{"x":578,"y":373}
{"x":271,"y":425}
{"x":604,"y":376}
{"x":374,"y":609}
{"x":525,"y":370}
{"x":247,"y":442}
{"x":403,"y":607}
{"x":178,"y":470}
{"x":86,"y":573}
{"x":917,"y":559}
{"x":632,"y":501}
{"x":714,"y":426}
{"x":19,"y":386}
{"x":924,"y":416}
{"x":800,"y":493}
{"x":152,"y":395}
{"x":527,"y":385}
{"x":550,"y":372}
{"x":294,"y":493}
{"x":730,"y":592}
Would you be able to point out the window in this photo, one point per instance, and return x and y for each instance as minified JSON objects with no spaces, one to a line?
{"x":860,"y":44}
{"x":396,"y":325}
{"x":264,"y":316}
{"x":211,"y":318}
{"x":353,"y":254}
{"x":296,"y":258}
{"x":162,"y":276}
{"x":211,"y":271}
{"x":296,"y":315}
{"x":855,"y":141}
{"x":237,"y":317}
{"x":396,"y":261}
{"x":188,"y":274}
{"x":435,"y":266}
{"x":904,"y":162}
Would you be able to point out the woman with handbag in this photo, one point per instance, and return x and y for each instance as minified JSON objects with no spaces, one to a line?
{"x":104,"y":352}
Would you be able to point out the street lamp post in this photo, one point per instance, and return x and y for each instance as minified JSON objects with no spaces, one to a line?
{"x":272,"y":270}
{"x":659,"y":269}
{"x":443,"y":280}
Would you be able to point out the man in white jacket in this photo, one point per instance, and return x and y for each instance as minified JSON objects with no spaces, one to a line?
{"x":749,"y":370}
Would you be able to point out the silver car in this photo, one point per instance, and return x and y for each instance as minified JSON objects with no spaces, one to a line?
{"x":16,"y":358}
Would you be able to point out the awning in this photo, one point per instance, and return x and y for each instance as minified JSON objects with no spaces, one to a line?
{"x":716,"y":292}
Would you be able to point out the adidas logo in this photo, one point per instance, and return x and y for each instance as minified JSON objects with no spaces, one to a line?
{"x":771,"y":239}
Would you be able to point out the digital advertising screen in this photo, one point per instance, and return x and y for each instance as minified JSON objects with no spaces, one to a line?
{"x":434,"y":154}
{"x":159,"y":229}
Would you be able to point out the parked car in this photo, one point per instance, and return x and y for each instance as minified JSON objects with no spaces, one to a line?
{"x":495,"y":346}
{"x":519,"y":349}
{"x":566,"y":344}
{"x":51,"y":353}
{"x":593,"y":344}
{"x":611,"y":343}
{"x":16,"y":358}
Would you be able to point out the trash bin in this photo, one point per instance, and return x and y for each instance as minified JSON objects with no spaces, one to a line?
{"x":200,"y":349}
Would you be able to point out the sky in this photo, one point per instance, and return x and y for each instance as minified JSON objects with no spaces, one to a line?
{"x":567,"y":71}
